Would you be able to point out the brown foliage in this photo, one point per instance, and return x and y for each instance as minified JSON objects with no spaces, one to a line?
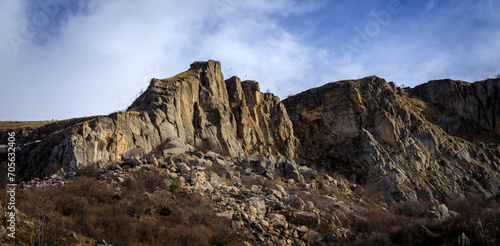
{"x":93,"y":208}
{"x":402,"y":224}
{"x":413,"y":209}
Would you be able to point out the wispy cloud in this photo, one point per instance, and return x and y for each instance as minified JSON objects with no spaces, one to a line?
{"x":93,"y":57}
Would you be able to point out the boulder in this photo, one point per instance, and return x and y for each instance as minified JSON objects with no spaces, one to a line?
{"x":308,"y":219}
{"x":226,"y":214}
{"x":266,"y":166}
{"x":463,"y":240}
{"x":137,"y":153}
{"x":292,"y":171}
{"x":308,"y":173}
{"x":294,"y":202}
{"x":258,"y":203}
{"x":312,"y":237}
{"x":130,"y":162}
{"x":278,"y":221}
{"x":174,"y":151}
{"x":115,"y":167}
{"x":440,"y":212}
{"x":275,"y":193}
{"x":184,"y":168}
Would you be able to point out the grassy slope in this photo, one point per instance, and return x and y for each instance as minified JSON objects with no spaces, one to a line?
{"x":6,"y":125}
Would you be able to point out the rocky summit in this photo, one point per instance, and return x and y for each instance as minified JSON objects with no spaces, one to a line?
{"x":359,"y":162}
{"x":196,"y":107}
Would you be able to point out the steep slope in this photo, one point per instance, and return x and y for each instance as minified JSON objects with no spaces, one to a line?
{"x":231,"y":116}
{"x":373,"y":131}
{"x":435,"y":141}
{"x":473,"y":108}
{"x":196,"y":107}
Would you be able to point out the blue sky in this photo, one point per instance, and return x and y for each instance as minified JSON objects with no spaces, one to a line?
{"x":63,"y":59}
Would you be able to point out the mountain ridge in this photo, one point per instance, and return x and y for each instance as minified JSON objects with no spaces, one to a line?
{"x":368,"y":129}
{"x":376,"y":132}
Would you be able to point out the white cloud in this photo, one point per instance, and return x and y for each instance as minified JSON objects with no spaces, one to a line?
{"x":102,"y":57}
{"x":100,"y":61}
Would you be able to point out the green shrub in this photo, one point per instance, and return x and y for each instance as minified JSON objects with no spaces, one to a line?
{"x":175,"y":184}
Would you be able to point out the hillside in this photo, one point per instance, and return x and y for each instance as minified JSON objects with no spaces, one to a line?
{"x":351,"y":162}
{"x":415,"y":144}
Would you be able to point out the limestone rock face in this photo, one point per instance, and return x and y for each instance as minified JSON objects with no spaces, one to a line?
{"x":231,"y":117}
{"x":473,"y":102}
{"x":262,"y":122}
{"x":371,"y":130}
{"x":196,"y":107}
{"x":99,"y":140}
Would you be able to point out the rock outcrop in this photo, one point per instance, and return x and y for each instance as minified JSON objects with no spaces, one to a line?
{"x":291,"y":172}
{"x":477,"y":103}
{"x":373,"y":131}
{"x":231,"y":117}
{"x":432,"y":142}
{"x":196,"y":107}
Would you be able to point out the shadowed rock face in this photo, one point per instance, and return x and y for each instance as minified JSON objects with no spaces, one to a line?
{"x":477,"y":103}
{"x":197,"y":107}
{"x":373,"y":131}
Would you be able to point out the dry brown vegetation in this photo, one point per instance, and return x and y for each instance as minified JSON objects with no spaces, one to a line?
{"x":410,"y":223}
{"x":149,"y":209}
{"x":6,"y":125}
{"x":143,"y":212}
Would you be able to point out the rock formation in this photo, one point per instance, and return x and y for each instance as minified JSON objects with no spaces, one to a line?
{"x":475,"y":103}
{"x":373,"y":131}
{"x":196,"y":107}
{"x":303,"y":171}
{"x":432,"y":142}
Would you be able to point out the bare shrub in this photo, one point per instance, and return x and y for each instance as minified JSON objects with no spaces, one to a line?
{"x":371,"y":193}
{"x":196,"y":214}
{"x":133,"y":185}
{"x":490,"y":223}
{"x":223,"y":236}
{"x":402,"y":224}
{"x":154,"y":179}
{"x":377,"y":238}
{"x":468,"y":206}
{"x":70,"y":205}
{"x":413,"y":209}
{"x":90,"y":207}
{"x":38,"y":206}
{"x":377,"y":219}
{"x":189,"y":235}
{"x":160,"y":198}
{"x":90,"y":171}
{"x":408,"y":234}
{"x":119,"y":228}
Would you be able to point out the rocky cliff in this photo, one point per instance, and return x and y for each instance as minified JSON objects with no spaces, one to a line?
{"x":231,"y":116}
{"x":196,"y":107}
{"x":432,"y":142}
{"x":475,"y":103}
{"x":304,"y":171}
{"x":373,"y":131}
